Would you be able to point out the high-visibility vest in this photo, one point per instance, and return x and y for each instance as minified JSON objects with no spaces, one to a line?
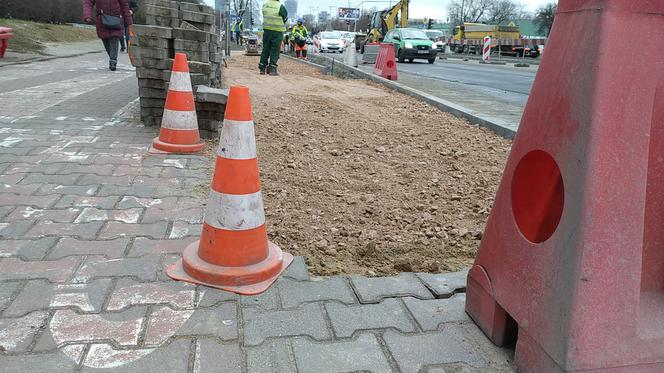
{"x":271,"y":18}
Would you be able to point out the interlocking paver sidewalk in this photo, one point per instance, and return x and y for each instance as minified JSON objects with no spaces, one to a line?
{"x":89,"y":221}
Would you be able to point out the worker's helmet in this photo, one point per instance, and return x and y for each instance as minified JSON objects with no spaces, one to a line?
{"x":300,"y":21}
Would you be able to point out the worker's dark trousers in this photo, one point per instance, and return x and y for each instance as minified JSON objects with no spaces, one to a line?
{"x":112,"y":46}
{"x":271,"y":44}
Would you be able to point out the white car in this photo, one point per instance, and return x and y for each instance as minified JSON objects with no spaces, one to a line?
{"x":331,"y":41}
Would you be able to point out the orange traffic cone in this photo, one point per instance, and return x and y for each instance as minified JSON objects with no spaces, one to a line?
{"x":179,"y":125}
{"x":233,"y":253}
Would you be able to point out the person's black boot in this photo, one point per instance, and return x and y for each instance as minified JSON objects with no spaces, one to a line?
{"x":112,"y":65}
{"x":272,"y":70}
{"x":261,"y":70}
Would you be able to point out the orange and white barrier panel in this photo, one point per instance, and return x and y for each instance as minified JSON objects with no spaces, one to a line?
{"x":234,"y":253}
{"x":179,"y":125}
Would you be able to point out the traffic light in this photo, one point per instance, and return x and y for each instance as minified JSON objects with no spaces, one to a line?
{"x":430,"y":24}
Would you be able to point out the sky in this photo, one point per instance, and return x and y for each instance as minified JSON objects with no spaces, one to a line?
{"x":436,"y":9}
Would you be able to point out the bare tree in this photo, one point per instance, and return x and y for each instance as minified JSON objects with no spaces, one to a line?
{"x":502,"y":11}
{"x":468,"y":10}
{"x":544,"y":17}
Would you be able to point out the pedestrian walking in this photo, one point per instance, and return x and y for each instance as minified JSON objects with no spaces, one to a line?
{"x":124,"y":43}
{"x":110,"y":18}
{"x":274,"y":26}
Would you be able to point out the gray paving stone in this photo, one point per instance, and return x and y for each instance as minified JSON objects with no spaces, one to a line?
{"x":15,"y":229}
{"x":294,"y":293}
{"x":362,"y":354}
{"x":268,"y":300}
{"x":208,"y":297}
{"x":413,"y":352}
{"x":372,"y":290}
{"x":145,"y":268}
{"x":72,"y":246}
{"x":308,"y":320}
{"x":40,"y":294}
{"x":86,"y":231}
{"x":212,"y":356}
{"x":28,"y":249}
{"x":173,"y":357}
{"x":87,"y":190}
{"x":79,"y":201}
{"x":387,"y":314}
{"x":55,"y":362}
{"x":17,"y":334}
{"x":7,"y":290}
{"x":219,"y":321}
{"x":429,"y":314}
{"x":297,"y":270}
{"x":273,"y":356}
{"x":53,"y":270}
{"x":444,"y":285}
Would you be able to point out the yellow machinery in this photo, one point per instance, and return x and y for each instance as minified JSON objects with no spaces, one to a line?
{"x":477,"y":31}
{"x":385,"y":20}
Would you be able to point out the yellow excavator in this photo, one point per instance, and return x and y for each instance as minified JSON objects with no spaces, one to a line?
{"x":385,"y":20}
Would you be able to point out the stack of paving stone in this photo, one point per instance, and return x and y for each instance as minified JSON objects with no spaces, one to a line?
{"x":174,"y":27}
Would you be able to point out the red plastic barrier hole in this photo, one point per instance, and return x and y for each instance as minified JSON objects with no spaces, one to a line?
{"x":538,"y":196}
{"x":390,"y":64}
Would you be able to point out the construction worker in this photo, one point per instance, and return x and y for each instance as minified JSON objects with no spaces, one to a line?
{"x":299,"y":38}
{"x":274,"y":26}
{"x":239,"y":26}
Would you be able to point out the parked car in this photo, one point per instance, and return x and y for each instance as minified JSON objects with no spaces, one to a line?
{"x":411,"y":44}
{"x":532,"y":52}
{"x":436,"y":36}
{"x":331,"y":41}
{"x":348,"y":37}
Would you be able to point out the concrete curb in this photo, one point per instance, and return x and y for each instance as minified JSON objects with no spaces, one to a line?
{"x":48,"y":58}
{"x":507,"y":60}
{"x":498,"y":126}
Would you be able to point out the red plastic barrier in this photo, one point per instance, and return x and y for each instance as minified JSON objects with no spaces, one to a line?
{"x":5,"y":35}
{"x":386,"y":65}
{"x":572,"y":259}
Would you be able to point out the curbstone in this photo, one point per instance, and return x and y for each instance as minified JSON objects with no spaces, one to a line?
{"x":389,"y":313}
{"x":372,"y":290}
{"x":153,"y":83}
{"x":148,"y":42}
{"x":305,"y":320}
{"x":192,"y":35}
{"x":187,"y":45}
{"x":197,"y":17}
{"x":157,"y":53}
{"x":152,"y":93}
{"x":153,"y":31}
{"x":362,"y":354}
{"x":444,"y":285}
{"x":164,"y":3}
{"x":213,"y":95}
{"x":162,"y":21}
{"x":429,"y":314}
{"x":190,"y":7}
{"x":160,"y":11}
{"x":293,"y":293}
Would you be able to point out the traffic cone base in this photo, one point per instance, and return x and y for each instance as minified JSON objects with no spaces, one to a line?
{"x":160,"y":147}
{"x":179,"y":126}
{"x":246,"y":280}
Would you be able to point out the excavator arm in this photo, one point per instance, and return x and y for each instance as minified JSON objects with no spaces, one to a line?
{"x":385,"y":20}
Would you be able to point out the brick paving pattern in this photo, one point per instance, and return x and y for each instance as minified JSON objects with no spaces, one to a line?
{"x":89,"y":220}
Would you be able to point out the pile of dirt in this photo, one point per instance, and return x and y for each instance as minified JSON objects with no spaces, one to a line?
{"x":359,"y":179}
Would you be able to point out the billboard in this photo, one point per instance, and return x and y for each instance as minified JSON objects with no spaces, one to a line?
{"x":349,"y":14}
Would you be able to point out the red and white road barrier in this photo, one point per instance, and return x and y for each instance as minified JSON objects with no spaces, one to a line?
{"x":486,"y":51}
